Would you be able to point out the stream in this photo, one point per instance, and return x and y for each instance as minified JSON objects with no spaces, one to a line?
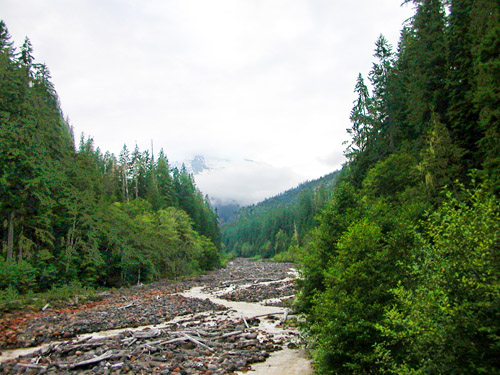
{"x":232,"y":333}
{"x":283,"y":362}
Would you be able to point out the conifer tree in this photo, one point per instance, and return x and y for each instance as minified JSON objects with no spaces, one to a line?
{"x":485,"y":28}
{"x":164,"y":181}
{"x":361,"y":120}
{"x":426,"y":53}
{"x":461,"y":116}
{"x":381,"y":113}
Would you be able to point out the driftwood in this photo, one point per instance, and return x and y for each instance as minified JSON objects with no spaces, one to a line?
{"x":91,"y":361}
{"x":147,"y":334}
{"x":29,"y":365}
{"x":231,"y":334}
{"x":251,"y":279}
{"x":264,"y":315}
{"x":285,"y":316}
{"x":126,"y":306}
{"x":193,"y":340}
{"x":245,"y":321}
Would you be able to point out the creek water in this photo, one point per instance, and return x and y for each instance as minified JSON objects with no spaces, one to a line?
{"x":283,"y":362}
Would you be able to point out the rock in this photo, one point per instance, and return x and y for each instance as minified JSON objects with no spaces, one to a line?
{"x":220,"y":342}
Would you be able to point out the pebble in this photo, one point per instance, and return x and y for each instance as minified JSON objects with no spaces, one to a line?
{"x":208,"y":339}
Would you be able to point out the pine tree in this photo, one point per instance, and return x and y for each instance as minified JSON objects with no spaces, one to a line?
{"x":462,"y":116}
{"x":361,"y":120}
{"x":379,"y":78}
{"x":426,"y":54}
{"x":164,"y":181}
{"x":485,"y":29}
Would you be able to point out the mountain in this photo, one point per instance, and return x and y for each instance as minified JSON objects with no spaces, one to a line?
{"x":195,"y":166}
{"x":226,"y":211}
{"x":198,"y":164}
{"x":273,"y":225}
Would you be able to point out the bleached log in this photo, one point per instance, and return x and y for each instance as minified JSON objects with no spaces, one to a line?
{"x":193,"y":340}
{"x":245,"y":321}
{"x":29,"y":365}
{"x":91,"y":361}
{"x":229,"y":334}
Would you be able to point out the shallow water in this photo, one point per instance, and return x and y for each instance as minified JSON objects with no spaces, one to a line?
{"x":7,"y":354}
{"x":283,"y":362}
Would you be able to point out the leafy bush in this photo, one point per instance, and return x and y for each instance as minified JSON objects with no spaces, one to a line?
{"x":448,"y":323}
{"x":19,"y":276}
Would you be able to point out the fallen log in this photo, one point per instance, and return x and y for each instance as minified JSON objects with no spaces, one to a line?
{"x":245,"y":321}
{"x":225,"y":335}
{"x":29,"y":365}
{"x":193,"y":340}
{"x":147,"y":334}
{"x":269,"y":314}
{"x":91,"y":361}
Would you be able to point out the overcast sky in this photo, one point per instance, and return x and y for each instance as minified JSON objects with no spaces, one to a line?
{"x":264,"y":80}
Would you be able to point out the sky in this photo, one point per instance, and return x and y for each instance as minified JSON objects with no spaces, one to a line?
{"x":261,"y":88}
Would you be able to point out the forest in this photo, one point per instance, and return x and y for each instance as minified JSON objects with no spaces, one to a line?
{"x":400,"y":273}
{"x":276,"y":227}
{"x":74,"y":215}
{"x":399,"y":252}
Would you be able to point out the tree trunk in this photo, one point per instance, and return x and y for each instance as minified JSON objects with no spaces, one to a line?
{"x":10,"y":237}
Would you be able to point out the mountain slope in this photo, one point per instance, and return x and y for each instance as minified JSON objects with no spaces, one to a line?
{"x":273,"y":225}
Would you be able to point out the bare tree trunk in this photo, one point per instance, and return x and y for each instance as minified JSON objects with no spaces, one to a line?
{"x":10,"y":236}
{"x":391,"y":135}
{"x":125,"y":185}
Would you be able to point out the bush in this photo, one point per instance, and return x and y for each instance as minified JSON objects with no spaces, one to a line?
{"x":20,"y":275}
{"x":448,"y":322}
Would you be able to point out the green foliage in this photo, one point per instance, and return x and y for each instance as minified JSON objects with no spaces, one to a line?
{"x":268,"y":228}
{"x":334,"y":219}
{"x":391,"y":176}
{"x":345,"y":314}
{"x":19,"y":276}
{"x":10,"y":299}
{"x":400,"y":278}
{"x":448,"y":323}
{"x":78,"y":216}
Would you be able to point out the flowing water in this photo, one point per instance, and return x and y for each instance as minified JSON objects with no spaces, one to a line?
{"x":283,"y":362}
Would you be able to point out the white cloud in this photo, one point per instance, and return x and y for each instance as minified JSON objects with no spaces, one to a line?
{"x":246,"y":181}
{"x":268,"y":80}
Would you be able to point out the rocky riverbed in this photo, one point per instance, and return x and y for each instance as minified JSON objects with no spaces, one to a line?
{"x":212,"y":324}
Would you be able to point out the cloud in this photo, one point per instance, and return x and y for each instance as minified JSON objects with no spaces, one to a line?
{"x":246,"y":181}
{"x":257,"y":79}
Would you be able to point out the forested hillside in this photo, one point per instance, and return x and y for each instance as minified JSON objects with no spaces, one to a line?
{"x":278,"y":224}
{"x":78,"y":215}
{"x":402,"y":275}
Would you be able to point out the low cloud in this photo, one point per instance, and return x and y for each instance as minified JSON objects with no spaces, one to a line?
{"x":246,"y":181}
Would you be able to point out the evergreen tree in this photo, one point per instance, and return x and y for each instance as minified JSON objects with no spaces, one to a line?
{"x":426,"y":54}
{"x":462,"y":117}
{"x":381,"y":113}
{"x":164,"y":181}
{"x":485,"y":28}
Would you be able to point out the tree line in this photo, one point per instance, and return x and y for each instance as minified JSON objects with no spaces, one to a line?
{"x":74,"y":214}
{"x":402,"y":273}
{"x":278,"y":225}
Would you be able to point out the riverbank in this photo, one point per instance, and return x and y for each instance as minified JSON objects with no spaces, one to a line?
{"x":186,"y":327}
